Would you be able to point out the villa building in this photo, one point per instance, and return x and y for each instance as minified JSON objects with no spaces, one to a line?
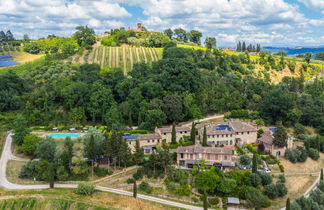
{"x":166,"y":133}
{"x":266,"y":139}
{"x":147,"y":141}
{"x":217,"y":156}
{"x":230,"y":133}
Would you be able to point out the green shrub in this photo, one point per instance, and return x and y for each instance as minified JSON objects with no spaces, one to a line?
{"x":213,"y":201}
{"x":271,"y":191}
{"x":145,"y":187}
{"x":281,"y":178}
{"x":101,"y":172}
{"x":130,"y":181}
{"x":265,"y":179}
{"x":313,"y":153}
{"x":85,"y":189}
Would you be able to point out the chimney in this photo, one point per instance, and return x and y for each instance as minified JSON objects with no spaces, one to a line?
{"x":139,"y":26}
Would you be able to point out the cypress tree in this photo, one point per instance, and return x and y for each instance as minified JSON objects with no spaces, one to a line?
{"x":51,"y":175}
{"x":322,"y":178}
{"x":280,"y":136}
{"x":139,"y":153}
{"x":135,"y":189}
{"x":288,"y":204}
{"x":243,"y":47}
{"x":193,"y":133}
{"x":173,"y":134}
{"x":239,"y":47}
{"x":204,"y":141}
{"x":254,"y":164}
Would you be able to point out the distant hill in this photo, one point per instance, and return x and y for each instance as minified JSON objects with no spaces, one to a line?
{"x":296,"y":50}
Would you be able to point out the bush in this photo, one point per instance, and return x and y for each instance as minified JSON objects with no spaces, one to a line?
{"x":281,"y":178}
{"x":145,"y":187}
{"x":101,"y":172}
{"x":245,"y":160}
{"x":28,"y":170}
{"x":266,"y":179}
{"x":138,"y":174}
{"x":213,"y":201}
{"x":255,"y":179}
{"x":85,"y":189}
{"x":271,"y":191}
{"x":130,"y":181}
{"x":281,"y":189}
{"x":313,"y":153}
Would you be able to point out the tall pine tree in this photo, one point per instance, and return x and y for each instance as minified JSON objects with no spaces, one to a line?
{"x":138,"y":154}
{"x":135,"y":189}
{"x":204,"y":141}
{"x":243,"y":47}
{"x":288,"y":204}
{"x":193,"y":133}
{"x":174,"y":134}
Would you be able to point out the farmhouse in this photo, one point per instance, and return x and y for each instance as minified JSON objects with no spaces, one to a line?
{"x":217,"y":156}
{"x":266,"y":139}
{"x":230,"y":133}
{"x":147,"y":141}
{"x":166,"y":133}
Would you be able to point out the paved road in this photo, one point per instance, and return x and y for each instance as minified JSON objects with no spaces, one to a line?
{"x":7,"y":155}
{"x":205,"y":119}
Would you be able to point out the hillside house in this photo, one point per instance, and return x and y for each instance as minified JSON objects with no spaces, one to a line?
{"x":147,"y":141}
{"x":166,"y":133}
{"x":230,"y":133}
{"x":266,"y":139}
{"x":217,"y":156}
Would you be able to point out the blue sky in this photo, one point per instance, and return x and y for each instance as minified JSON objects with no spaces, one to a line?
{"x":269,"y":22}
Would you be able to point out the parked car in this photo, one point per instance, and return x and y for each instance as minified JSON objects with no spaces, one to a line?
{"x":267,"y":170}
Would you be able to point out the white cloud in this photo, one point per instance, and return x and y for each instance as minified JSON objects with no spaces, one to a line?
{"x":314,"y":4}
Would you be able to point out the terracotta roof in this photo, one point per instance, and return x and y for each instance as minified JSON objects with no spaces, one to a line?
{"x":149,"y":136}
{"x":200,"y":149}
{"x":239,"y":126}
{"x":178,"y":129}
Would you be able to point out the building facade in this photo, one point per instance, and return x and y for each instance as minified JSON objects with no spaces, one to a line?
{"x":147,"y":141}
{"x":229,"y":133}
{"x":166,"y":133}
{"x":217,"y":156}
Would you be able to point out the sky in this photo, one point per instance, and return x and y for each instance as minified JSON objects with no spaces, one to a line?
{"x":285,"y":23}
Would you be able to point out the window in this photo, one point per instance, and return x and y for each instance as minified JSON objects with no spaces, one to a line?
{"x":225,"y":157}
{"x":213,"y":136}
{"x":164,"y":134}
{"x":237,"y":133}
{"x":217,"y":142}
{"x":222,"y":135}
{"x":148,"y":141}
{"x":181,"y":155}
{"x":242,"y":133}
{"x":217,"y":136}
{"x":226,"y":142}
{"x":130,"y":142}
{"x":147,"y":151}
{"x":231,"y":142}
{"x":180,"y":132}
{"x":191,"y":156}
{"x":158,"y":140}
{"x":185,"y":131}
{"x":153,"y":140}
{"x":248,"y":132}
{"x":231,"y":135}
{"x":226,"y":135}
{"x":208,"y":136}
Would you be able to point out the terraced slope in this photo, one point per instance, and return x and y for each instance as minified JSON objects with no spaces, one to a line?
{"x":123,"y":57}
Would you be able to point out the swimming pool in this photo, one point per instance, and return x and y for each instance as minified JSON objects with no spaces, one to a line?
{"x":64,"y":135}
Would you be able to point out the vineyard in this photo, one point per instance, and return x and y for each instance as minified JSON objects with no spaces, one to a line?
{"x":119,"y":57}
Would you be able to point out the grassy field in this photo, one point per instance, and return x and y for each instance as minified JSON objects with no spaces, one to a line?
{"x":59,"y":199}
{"x":22,"y":68}
{"x":119,"y":57}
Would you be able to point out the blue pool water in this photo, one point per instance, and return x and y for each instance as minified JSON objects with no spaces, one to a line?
{"x":64,"y":135}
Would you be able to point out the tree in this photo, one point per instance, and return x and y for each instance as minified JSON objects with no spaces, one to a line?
{"x":239,"y":47}
{"x":46,"y":149}
{"x":322,"y":178}
{"x":288,"y":204}
{"x":205,"y":203}
{"x":307,"y":57}
{"x":26,"y":38}
{"x":20,"y":130}
{"x":135,"y":189}
{"x":313,"y":153}
{"x":210,"y":42}
{"x":91,"y":150}
{"x":254,"y":163}
{"x":320,"y":56}
{"x":30,"y":144}
{"x":67,"y":154}
{"x":280,"y":136}
{"x":2,"y":36}
{"x":245,"y":160}
{"x":255,"y":198}
{"x":255,"y":179}
{"x":195,"y":36}
{"x":204,"y":140}
{"x":168,"y":32}
{"x":139,"y":153}
{"x":193,"y":133}
{"x":9,"y":36}
{"x":85,"y":36}
{"x":243,"y":47}
{"x":207,"y":181}
{"x":173,"y":134}
{"x":266,"y":179}
{"x":181,"y":34}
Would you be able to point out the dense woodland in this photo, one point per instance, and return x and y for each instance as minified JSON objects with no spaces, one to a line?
{"x":185,"y":84}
